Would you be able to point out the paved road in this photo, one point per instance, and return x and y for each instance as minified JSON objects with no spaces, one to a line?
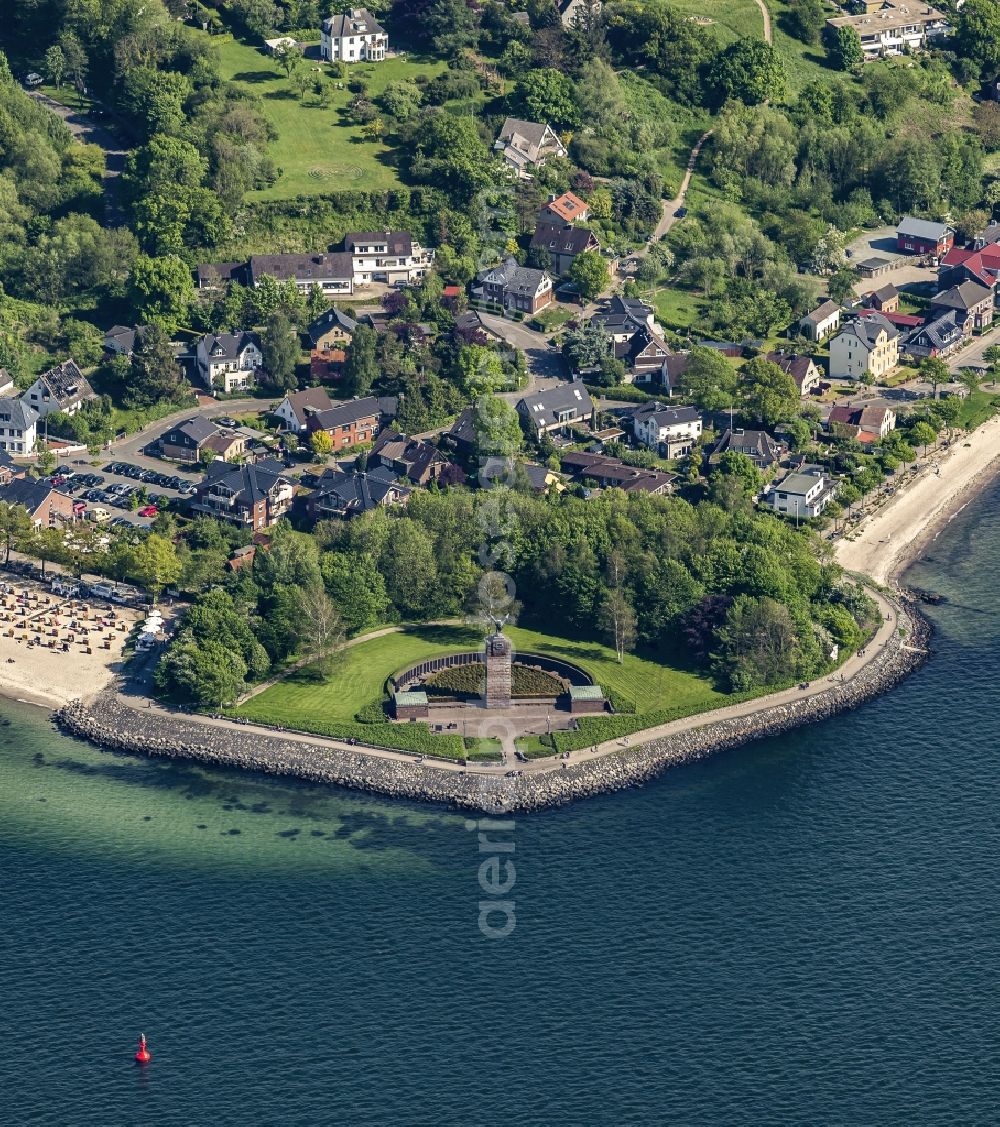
{"x":87,"y":131}
{"x":973,"y":355}
{"x":545,"y":366}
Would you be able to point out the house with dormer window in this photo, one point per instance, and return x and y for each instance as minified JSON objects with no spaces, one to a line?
{"x":354,"y":36}
{"x":228,"y":361}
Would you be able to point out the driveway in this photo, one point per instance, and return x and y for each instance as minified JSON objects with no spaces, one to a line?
{"x":545,"y":366}
{"x":88,"y":132}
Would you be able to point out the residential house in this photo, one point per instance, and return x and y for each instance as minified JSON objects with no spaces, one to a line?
{"x":386,"y":256}
{"x":921,"y":236}
{"x":760,"y":447}
{"x":331,"y":329}
{"x":979,"y":264}
{"x":562,"y":242}
{"x":556,"y":409}
{"x":332,"y":272}
{"x":567,"y":208}
{"x":184,"y":441}
{"x":623,"y":317}
{"x":506,"y":471}
{"x":218,"y":275}
{"x":18,"y":426}
{"x":229,"y":445}
{"x":412,"y":458}
{"x":940,"y":337}
{"x":822,"y":322}
{"x":895,"y":28}
{"x":7,"y":385}
{"x":120,"y":340}
{"x":355,"y":423}
{"x":972,"y":303}
{"x":228,"y":361}
{"x":865,"y":346}
{"x":471,"y":329}
{"x":253,"y":495}
{"x":462,"y":436}
{"x":46,"y":507}
{"x":885,"y":299}
{"x":525,"y":145}
{"x":519,"y":289}
{"x":62,"y":388}
{"x":341,"y":495}
{"x":646,"y":357}
{"x":804,"y":493}
{"x":802,"y":369}
{"x":670,"y":431}
{"x":297,"y":406}
{"x":612,"y":473}
{"x":353,"y":36}
{"x":867,"y":424}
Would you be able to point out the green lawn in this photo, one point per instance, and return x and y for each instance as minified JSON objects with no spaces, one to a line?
{"x":316,"y":149}
{"x":328,"y":708}
{"x":979,"y":406}
{"x":678,"y":309}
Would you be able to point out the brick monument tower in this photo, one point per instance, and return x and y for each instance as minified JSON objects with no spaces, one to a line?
{"x":499,"y":656}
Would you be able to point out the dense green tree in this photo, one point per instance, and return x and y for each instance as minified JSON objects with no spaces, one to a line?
{"x":154,"y":374}
{"x":361,"y":367}
{"x":161,"y":289}
{"x":844,"y":49}
{"x":589,"y":273}
{"x":769,"y":395}
{"x":709,"y":379}
{"x":750,"y":70}
{"x":758,"y":646}
{"x":547,"y":96}
{"x":280,"y":348}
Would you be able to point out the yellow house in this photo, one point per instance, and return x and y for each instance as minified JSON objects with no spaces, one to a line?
{"x":866,"y":346}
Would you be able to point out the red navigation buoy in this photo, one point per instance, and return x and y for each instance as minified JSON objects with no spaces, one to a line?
{"x":143,"y":1055}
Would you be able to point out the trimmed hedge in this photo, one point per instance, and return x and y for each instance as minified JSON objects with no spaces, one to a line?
{"x":622,"y":704}
{"x":373,"y":713}
{"x":414,"y":737}
{"x":468,"y":680}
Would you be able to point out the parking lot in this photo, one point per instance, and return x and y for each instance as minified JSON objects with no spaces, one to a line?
{"x":129,"y":493}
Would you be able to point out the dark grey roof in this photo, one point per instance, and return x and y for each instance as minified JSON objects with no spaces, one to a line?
{"x":212,"y":273}
{"x":122,"y":336}
{"x":357,"y":21}
{"x":666,"y":416}
{"x":354,"y":492}
{"x":463,"y":430}
{"x":398,"y":242}
{"x":17,"y":414}
{"x":196,"y":428}
{"x":886,"y":292}
{"x":327,"y":320}
{"x":66,"y":383}
{"x":963,"y":296}
{"x":27,"y":491}
{"x":251,"y":482}
{"x":497,"y":469}
{"x":543,"y":408}
{"x":350,"y":412}
{"x":337,"y":267}
{"x":562,"y":238}
{"x":514,"y":278}
{"x":532,"y":132}
{"x":940,"y":332}
{"x":868,"y":328}
{"x":756,"y":444}
{"x":224,"y":346}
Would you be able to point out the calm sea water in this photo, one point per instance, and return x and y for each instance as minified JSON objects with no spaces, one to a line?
{"x":805,"y":931}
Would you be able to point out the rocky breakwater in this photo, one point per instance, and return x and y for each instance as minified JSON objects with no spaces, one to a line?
{"x":111,"y":724}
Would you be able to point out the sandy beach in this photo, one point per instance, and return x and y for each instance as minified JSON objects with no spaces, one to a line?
{"x":57,"y":667}
{"x":894,"y":536}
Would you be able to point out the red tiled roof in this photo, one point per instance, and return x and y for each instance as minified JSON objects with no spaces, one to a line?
{"x":567,"y":206}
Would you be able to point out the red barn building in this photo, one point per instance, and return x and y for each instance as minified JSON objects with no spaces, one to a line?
{"x":920,"y":236}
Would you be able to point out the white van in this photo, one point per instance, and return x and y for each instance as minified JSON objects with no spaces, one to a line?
{"x":102,"y":590}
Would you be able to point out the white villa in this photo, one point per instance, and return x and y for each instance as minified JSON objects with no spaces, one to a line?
{"x":386,"y":256}
{"x":893,"y":27}
{"x":353,"y":37}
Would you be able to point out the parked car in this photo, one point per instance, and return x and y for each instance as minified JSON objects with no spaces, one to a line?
{"x":98,"y":514}
{"x":226,"y":421}
{"x":148,"y":511}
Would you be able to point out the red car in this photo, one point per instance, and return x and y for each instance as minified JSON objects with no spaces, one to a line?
{"x":148,"y":511}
